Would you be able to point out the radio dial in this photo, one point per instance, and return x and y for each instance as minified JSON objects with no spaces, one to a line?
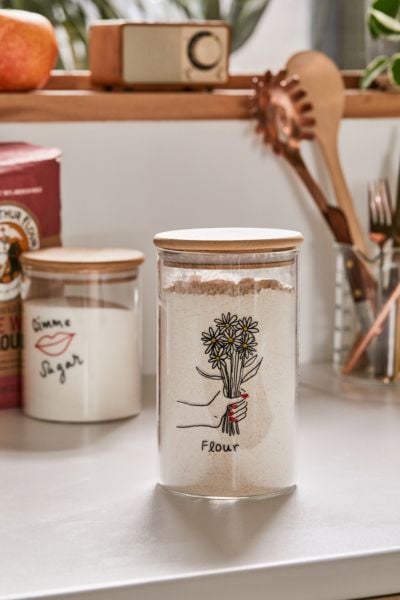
{"x":204,"y":50}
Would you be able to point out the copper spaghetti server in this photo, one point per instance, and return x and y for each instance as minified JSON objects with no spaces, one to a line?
{"x":285,"y":118}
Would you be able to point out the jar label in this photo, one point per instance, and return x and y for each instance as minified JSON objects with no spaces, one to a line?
{"x":19,"y":232}
{"x":231,"y":348}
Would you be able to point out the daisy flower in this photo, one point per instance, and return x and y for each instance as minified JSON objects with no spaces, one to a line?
{"x":247,"y":325}
{"x":217,"y":358}
{"x":246,"y":345}
{"x":228,"y":340}
{"x":211,"y":339}
{"x":226,"y":322}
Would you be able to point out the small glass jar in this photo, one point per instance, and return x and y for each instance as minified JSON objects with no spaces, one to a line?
{"x":81,"y":330}
{"x":227,"y":361}
{"x":363,"y":288}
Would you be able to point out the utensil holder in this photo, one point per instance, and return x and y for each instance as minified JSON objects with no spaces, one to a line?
{"x":355,"y":317}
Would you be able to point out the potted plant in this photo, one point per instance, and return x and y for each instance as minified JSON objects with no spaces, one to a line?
{"x":383,"y":18}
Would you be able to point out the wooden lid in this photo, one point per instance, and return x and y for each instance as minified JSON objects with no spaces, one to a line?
{"x":74,"y":260}
{"x":229,"y":239}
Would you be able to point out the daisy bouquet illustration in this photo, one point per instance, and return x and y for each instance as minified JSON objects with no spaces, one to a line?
{"x":231,"y":346}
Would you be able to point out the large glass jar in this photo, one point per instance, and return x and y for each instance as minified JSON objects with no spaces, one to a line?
{"x":227,"y":361}
{"x":81,"y":329}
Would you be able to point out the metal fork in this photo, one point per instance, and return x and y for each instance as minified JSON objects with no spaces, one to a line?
{"x":380,"y":221}
{"x":380,"y":232}
{"x":380,"y":213}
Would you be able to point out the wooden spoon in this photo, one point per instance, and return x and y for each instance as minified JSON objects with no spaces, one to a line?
{"x":322,"y":81}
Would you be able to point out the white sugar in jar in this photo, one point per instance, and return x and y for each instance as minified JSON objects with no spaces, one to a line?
{"x":227,"y":361}
{"x":81,"y":328}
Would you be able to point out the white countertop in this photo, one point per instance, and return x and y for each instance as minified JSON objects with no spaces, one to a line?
{"x":79,"y":511}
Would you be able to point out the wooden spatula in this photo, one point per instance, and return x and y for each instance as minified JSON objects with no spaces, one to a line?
{"x":322,"y":81}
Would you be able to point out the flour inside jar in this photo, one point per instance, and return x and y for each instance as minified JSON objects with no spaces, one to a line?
{"x":228,"y":386}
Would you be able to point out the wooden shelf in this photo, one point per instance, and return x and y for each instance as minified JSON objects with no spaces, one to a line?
{"x":70,"y":97}
{"x":121,"y":106}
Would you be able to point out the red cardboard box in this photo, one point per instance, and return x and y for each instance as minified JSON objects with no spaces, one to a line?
{"x":29,"y":219}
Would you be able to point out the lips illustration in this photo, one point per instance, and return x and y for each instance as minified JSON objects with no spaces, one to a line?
{"x":54,"y":345}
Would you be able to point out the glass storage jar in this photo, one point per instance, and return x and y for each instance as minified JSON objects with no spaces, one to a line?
{"x":367,"y":315}
{"x":227,"y":361}
{"x":81,"y":329}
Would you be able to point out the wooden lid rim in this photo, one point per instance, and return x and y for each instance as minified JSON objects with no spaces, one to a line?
{"x":51,"y":259}
{"x":229,"y":240}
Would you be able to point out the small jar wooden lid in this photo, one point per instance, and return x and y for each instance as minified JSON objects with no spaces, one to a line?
{"x":229,"y":239}
{"x":74,"y":260}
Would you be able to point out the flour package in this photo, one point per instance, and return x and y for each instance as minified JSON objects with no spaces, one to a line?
{"x":29,"y":219}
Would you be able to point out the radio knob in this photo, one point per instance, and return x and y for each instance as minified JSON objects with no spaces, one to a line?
{"x":204,"y":50}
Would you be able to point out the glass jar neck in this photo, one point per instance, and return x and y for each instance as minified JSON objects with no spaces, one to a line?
{"x":226,"y":260}
{"x":82,"y":277}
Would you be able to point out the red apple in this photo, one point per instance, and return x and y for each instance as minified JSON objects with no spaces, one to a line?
{"x":28,"y":50}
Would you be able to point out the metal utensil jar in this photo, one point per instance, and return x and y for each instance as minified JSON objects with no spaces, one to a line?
{"x":81,"y":328}
{"x":227,"y":361}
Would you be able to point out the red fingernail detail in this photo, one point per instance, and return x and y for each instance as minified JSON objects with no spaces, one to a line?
{"x":245,"y":396}
{"x":234,"y":406}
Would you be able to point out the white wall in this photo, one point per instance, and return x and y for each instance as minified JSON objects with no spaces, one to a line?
{"x":122,"y":182}
{"x":283,"y":30}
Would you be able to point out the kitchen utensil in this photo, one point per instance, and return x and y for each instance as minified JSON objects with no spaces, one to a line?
{"x":380,"y":221}
{"x":380,"y":213}
{"x":396,"y":215}
{"x":285,"y":118}
{"x":373,"y":331}
{"x":323,"y":83}
{"x":394,"y":278}
{"x":396,"y":244}
{"x":380,"y":232}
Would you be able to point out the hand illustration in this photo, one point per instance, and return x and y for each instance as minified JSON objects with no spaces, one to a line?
{"x":222,"y":415}
{"x":235,"y":412}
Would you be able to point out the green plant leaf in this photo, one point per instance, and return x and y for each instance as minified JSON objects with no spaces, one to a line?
{"x":389,"y":7}
{"x":106,"y":10}
{"x":383,"y":25}
{"x":211,"y":9}
{"x":244,"y":17}
{"x":394,"y":70}
{"x":189,"y":11}
{"x":375,"y":68}
{"x":373,"y":28}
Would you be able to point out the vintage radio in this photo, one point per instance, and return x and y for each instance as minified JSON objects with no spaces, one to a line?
{"x":187,"y":54}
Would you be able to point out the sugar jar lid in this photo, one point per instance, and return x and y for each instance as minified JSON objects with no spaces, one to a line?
{"x":73,"y":260}
{"x":229,"y":239}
